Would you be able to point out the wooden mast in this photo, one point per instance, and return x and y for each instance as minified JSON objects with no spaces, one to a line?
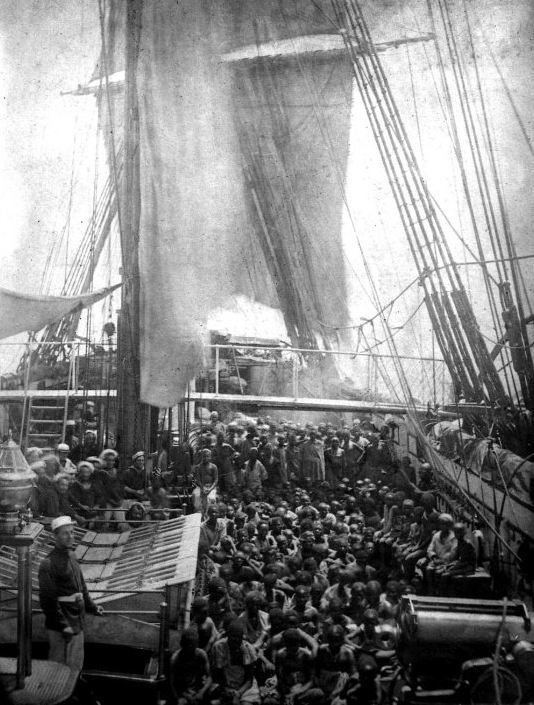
{"x":133,"y":416}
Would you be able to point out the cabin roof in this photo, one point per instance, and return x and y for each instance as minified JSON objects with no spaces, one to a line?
{"x":145,"y":558}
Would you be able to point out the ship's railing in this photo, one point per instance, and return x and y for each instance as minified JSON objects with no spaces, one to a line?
{"x":161,"y":618}
{"x":78,"y":365}
{"x":43,"y":384}
{"x":278,"y":370}
{"x":68,"y":365}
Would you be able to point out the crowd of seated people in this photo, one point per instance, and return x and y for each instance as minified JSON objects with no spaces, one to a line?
{"x":95,"y":492}
{"x":310,"y":537}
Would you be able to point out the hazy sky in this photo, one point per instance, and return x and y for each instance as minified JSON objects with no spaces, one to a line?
{"x":45,"y":48}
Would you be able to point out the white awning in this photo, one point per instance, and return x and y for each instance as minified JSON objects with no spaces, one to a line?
{"x":22,"y":312}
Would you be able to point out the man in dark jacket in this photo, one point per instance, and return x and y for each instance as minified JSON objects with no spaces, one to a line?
{"x":134,"y":479}
{"x":64,"y":597}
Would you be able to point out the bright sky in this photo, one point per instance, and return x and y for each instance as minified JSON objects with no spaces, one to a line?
{"x":45,"y":48}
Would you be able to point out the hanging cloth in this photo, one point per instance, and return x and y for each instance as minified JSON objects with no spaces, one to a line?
{"x":194,"y":224}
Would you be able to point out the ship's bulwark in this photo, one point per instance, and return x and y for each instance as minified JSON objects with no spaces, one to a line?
{"x":200,"y":238}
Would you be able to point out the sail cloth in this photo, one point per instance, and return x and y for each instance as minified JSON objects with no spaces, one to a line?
{"x":193,"y":223}
{"x":293,"y":111}
{"x":199,"y":234}
{"x":20,"y":313}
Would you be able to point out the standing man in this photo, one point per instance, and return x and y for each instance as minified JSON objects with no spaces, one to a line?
{"x":206,"y":477}
{"x":254,"y":474}
{"x":64,"y":597}
{"x":113,"y":490}
{"x":293,"y":458}
{"x":216,"y":426}
{"x":222,"y":454}
{"x":279,"y":464}
{"x":312,"y":457}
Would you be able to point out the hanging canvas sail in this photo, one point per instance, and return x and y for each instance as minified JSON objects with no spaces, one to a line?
{"x":198,"y":201}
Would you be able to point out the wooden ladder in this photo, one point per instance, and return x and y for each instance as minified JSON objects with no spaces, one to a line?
{"x":45,"y":422}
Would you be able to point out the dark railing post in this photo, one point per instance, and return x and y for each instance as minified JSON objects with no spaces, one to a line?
{"x":163,"y":637}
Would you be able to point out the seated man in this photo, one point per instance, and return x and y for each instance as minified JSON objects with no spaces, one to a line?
{"x":273,"y":596}
{"x":308,"y":615}
{"x":334,"y":665}
{"x":134,"y":479}
{"x":203,"y":623}
{"x":212,"y":531}
{"x":441,"y":551}
{"x":368,"y":690}
{"x":190,"y":671}
{"x":375,"y":639}
{"x":465,"y":560}
{"x":276,"y":641}
{"x":66,"y":464}
{"x":65,"y":506}
{"x":159,"y":505}
{"x":218,"y":601}
{"x":335,"y":616}
{"x":233,"y":668}
{"x":295,"y":672}
{"x":85,"y":492}
{"x":255,"y":621}
{"x":339,"y":590}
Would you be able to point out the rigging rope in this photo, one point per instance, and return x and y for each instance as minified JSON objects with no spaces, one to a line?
{"x":101,"y":12}
{"x":462,"y":82}
{"x":455,"y":138}
{"x":394,"y":132}
{"x":69,"y":209}
{"x":326,"y":134}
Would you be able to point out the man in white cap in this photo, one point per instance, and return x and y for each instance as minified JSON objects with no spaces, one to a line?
{"x":88,"y":446}
{"x":215,"y":425}
{"x":64,"y":597}
{"x":67,"y":466}
{"x":134,"y":478}
{"x":113,"y":486}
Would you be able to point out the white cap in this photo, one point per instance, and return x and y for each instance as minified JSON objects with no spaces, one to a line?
{"x":108,"y":451}
{"x":58,"y":522}
{"x":63,"y":447}
{"x":139,"y":454}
